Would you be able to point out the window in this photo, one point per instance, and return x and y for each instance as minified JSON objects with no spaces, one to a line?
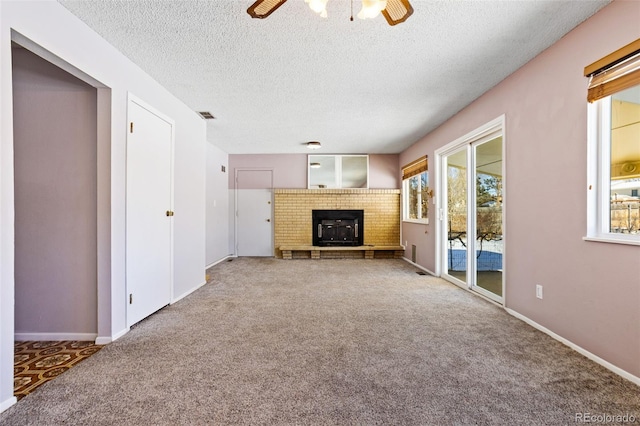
{"x":415,"y":190}
{"x":614,"y":147}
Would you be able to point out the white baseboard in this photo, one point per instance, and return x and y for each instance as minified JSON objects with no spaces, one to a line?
{"x":119,"y":334}
{"x":220,"y":261}
{"x":619,"y":371}
{"x":183,"y":295}
{"x":7,"y":403}
{"x":103,"y":340}
{"x":85,"y":337}
{"x":419,"y":267}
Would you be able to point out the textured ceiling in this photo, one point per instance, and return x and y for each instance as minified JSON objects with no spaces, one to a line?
{"x":358,"y":87}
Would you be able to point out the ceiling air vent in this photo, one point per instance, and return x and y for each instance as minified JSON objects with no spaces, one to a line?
{"x":206,"y":115}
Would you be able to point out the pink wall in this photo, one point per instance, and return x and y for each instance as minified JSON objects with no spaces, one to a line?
{"x":55,"y":199}
{"x":591,"y":289}
{"x":384,"y":171}
{"x":290,"y":170}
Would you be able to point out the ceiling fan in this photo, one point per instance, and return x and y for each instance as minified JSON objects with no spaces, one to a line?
{"x":394,"y":11}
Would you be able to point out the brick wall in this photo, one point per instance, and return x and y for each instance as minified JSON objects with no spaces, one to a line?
{"x":292,"y":213}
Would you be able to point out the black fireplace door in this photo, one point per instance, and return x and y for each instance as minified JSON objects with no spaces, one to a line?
{"x":338,"y":227}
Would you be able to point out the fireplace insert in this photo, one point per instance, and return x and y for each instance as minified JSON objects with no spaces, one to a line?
{"x":338,"y":227}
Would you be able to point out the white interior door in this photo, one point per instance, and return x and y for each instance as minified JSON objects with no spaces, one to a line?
{"x":149,"y":212}
{"x":254,"y":225}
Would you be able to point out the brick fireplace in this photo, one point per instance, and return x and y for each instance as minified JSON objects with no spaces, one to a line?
{"x":293,"y":214}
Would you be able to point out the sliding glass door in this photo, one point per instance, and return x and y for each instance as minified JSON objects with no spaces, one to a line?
{"x":457,"y":214}
{"x":488,"y":216}
{"x":471,"y":213}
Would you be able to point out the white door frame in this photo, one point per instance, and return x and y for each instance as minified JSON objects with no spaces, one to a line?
{"x":470,"y":140}
{"x":235,"y":204}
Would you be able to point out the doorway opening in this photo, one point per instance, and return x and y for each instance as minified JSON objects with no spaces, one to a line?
{"x":61,"y":177}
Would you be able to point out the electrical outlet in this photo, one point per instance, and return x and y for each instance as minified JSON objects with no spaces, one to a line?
{"x":539,"y":291}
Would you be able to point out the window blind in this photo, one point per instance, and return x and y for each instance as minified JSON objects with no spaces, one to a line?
{"x":615,"y":72}
{"x":415,"y":168}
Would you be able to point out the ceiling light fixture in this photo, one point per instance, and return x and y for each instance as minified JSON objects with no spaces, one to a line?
{"x":371,"y":8}
{"x":394,"y":11}
{"x":314,"y":145}
{"x":318,"y":6}
{"x":315,"y":165}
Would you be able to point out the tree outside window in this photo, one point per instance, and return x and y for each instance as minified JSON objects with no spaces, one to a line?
{"x":417,"y":197}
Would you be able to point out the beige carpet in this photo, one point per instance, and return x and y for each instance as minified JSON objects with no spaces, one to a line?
{"x":337,"y":342}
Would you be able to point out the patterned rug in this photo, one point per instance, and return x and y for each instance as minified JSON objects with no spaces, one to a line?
{"x":35,"y":363}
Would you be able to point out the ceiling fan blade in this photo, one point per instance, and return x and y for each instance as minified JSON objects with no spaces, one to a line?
{"x":397,"y":11}
{"x":263,"y":8}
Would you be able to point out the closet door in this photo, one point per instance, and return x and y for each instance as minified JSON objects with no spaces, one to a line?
{"x":149,"y":212}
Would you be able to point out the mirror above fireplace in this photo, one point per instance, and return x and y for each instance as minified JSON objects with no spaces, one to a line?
{"x":338,"y":171}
